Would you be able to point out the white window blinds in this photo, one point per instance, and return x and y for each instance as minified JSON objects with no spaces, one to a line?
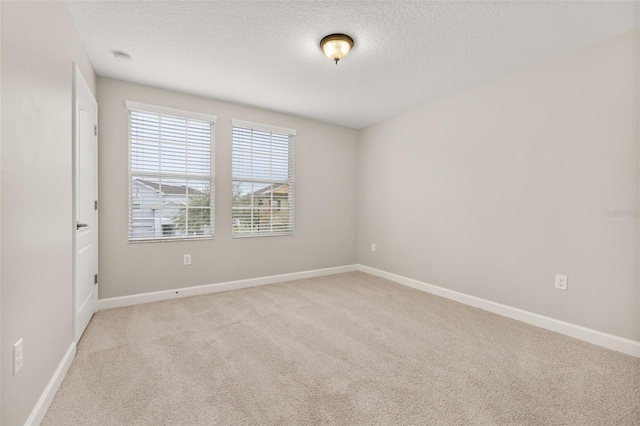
{"x":263,"y":190}
{"x":171,"y":189}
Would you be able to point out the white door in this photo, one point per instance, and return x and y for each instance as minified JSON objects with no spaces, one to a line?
{"x":85,"y":125}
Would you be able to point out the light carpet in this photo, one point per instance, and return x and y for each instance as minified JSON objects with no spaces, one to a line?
{"x":344,"y":349}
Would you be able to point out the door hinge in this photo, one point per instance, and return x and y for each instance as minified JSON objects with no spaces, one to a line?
{"x":95,"y":205}
{"x":95,"y":130}
{"x":95,"y":279}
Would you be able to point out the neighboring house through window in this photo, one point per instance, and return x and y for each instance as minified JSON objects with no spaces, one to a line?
{"x":171,"y":187}
{"x":262,"y":180}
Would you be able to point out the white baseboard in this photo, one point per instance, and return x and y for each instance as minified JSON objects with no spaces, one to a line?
{"x":41,"y":407}
{"x":156,"y":296}
{"x":616,"y":343}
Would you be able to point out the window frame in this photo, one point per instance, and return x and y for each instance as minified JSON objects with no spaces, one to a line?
{"x":162,"y":110}
{"x":290,"y":181}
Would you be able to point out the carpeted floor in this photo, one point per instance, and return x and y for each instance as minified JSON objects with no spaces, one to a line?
{"x":344,"y":349}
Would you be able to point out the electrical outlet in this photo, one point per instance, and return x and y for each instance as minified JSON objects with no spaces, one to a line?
{"x":18,"y":356}
{"x":187,"y":259}
{"x":561,"y":282}
{"x":373,"y":246}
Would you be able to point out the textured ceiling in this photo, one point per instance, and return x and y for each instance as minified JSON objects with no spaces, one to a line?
{"x":266,"y":54}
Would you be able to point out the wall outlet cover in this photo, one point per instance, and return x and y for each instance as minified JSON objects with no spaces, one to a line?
{"x":561,"y":282}
{"x":18,"y":356}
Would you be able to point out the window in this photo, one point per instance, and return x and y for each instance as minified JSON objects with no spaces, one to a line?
{"x":262,"y":180}
{"x":135,"y":202}
{"x":171,"y":189}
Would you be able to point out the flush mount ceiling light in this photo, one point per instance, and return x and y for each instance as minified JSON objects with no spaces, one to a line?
{"x":336,"y":46}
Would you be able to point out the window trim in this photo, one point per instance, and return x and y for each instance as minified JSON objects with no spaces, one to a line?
{"x":262,"y":127}
{"x":170,"y":111}
{"x":248,"y":125}
{"x":212,"y":119}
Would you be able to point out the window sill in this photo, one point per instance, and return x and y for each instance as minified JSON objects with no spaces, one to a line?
{"x":169,"y":240}
{"x":240,"y":236}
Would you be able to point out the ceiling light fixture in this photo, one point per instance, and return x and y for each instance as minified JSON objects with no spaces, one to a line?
{"x":336,"y":46}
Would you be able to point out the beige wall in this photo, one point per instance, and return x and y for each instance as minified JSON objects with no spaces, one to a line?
{"x":39,"y":44}
{"x":325,"y":216}
{"x":495,"y":190}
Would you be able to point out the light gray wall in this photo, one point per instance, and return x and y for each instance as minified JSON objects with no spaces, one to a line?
{"x":325,"y":216}
{"x":495,"y":190}
{"x":39,"y":44}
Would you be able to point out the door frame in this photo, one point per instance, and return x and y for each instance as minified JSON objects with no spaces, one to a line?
{"x":78,"y":79}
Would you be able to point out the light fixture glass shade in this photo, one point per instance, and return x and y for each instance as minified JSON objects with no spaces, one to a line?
{"x":336,"y":46}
